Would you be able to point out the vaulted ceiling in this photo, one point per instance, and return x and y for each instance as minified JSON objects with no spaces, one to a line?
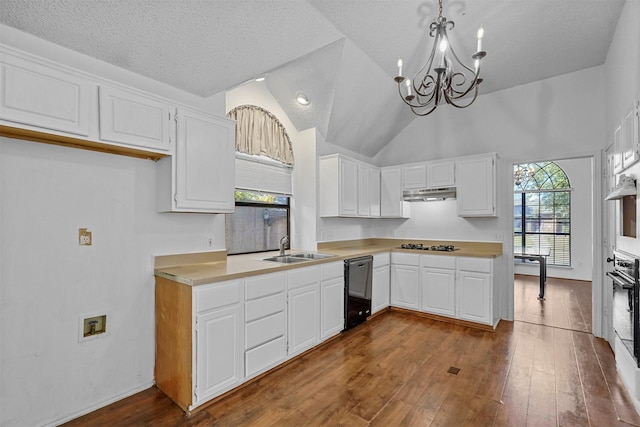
{"x":341,"y":53}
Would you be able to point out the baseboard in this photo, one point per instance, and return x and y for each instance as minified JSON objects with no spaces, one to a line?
{"x":100,"y":405}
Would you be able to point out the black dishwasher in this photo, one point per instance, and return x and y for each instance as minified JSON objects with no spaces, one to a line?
{"x":357,"y":290}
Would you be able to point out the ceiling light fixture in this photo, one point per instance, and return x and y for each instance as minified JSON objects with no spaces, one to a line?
{"x":260,"y":79}
{"x":445,"y":81}
{"x":302,"y":99}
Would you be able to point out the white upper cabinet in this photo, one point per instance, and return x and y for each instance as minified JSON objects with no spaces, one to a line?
{"x":476,"y":183}
{"x":441,"y":174}
{"x":130,"y":118}
{"x":364,"y":190}
{"x":629,"y":137}
{"x":414,"y":177}
{"x":348,"y":187}
{"x":391,"y":203}
{"x":43,"y":96}
{"x":200,"y":176}
{"x":374,"y":191}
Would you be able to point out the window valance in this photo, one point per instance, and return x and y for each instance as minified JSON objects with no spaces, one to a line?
{"x":259,"y":132}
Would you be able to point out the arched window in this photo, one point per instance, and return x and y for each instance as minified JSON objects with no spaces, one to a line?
{"x":542,"y":211}
{"x":264,"y":162}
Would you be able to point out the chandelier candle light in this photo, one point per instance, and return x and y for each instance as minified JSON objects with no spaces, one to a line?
{"x":450,"y":80}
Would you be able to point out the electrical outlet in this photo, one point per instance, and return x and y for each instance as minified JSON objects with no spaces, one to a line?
{"x":84,"y":237}
{"x":210,"y":242}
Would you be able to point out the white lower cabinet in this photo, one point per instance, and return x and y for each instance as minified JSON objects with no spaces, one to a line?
{"x":219,"y":364}
{"x":303,"y":305}
{"x":381,"y":282}
{"x":405,"y":280}
{"x":211,"y":338}
{"x":475,"y":290}
{"x":331,"y":299}
{"x":219,"y":333}
{"x":438,"y":281}
{"x":456,"y":287}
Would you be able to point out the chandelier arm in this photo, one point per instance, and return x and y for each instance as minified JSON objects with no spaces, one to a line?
{"x":450,"y":101}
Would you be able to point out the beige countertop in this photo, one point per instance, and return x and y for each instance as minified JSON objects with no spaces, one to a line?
{"x":209,"y":267}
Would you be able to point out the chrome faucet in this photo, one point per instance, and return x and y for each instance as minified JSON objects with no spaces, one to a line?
{"x":283,"y":242}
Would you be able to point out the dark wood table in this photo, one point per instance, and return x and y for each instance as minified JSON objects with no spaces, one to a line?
{"x":530,"y":254}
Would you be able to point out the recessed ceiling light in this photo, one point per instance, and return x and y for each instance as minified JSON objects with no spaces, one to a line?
{"x":302,"y":99}
{"x":260,"y":79}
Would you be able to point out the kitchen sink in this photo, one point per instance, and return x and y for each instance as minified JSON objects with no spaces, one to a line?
{"x":312,"y":256}
{"x":287,"y":259}
{"x":291,"y":258}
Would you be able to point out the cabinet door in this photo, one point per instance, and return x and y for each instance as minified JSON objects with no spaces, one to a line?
{"x":414,"y":177}
{"x":441,"y":174}
{"x":438,"y":291}
{"x":474,"y":297}
{"x":617,"y":150}
{"x":374,"y":191}
{"x":476,"y":186}
{"x":303,"y":310}
{"x":133,"y":119}
{"x":405,"y":286}
{"x":364,"y":207}
{"x":391,"y":192}
{"x":331,"y":307}
{"x":348,"y":187}
{"x":629,"y":139}
{"x":219,"y":352}
{"x":46,"y":97}
{"x":205,"y":163}
{"x":381,"y":282}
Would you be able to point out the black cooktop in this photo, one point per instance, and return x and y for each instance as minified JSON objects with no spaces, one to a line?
{"x":421,"y":247}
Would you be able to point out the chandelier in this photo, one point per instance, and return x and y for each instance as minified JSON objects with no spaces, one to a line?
{"x":449,"y":81}
{"x":523,"y":172}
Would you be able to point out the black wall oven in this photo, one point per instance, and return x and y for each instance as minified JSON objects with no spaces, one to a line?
{"x":626,"y":297}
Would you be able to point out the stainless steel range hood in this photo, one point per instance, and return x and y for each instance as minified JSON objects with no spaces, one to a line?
{"x":429,"y":194}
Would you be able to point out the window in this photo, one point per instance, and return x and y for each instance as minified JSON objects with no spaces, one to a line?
{"x":542,"y":211}
{"x":258,"y":223}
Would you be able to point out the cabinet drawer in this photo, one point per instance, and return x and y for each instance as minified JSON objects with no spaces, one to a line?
{"x":262,"y":307}
{"x":265,"y":329}
{"x":303,"y":276}
{"x":217,"y":295}
{"x":332,"y":270}
{"x":480,"y":265}
{"x":439,"y":261}
{"x":266,"y":284}
{"x":381,"y":259}
{"x":404,"y":258}
{"x":265,"y":356}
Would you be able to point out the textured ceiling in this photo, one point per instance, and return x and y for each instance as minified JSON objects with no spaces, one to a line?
{"x":342,"y":53}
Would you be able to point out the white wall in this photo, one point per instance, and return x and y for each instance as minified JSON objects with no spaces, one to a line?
{"x":48,"y":281}
{"x":579,"y":172}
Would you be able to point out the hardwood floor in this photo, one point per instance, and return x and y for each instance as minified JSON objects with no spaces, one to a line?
{"x":394,"y":371}
{"x":567,"y":303}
